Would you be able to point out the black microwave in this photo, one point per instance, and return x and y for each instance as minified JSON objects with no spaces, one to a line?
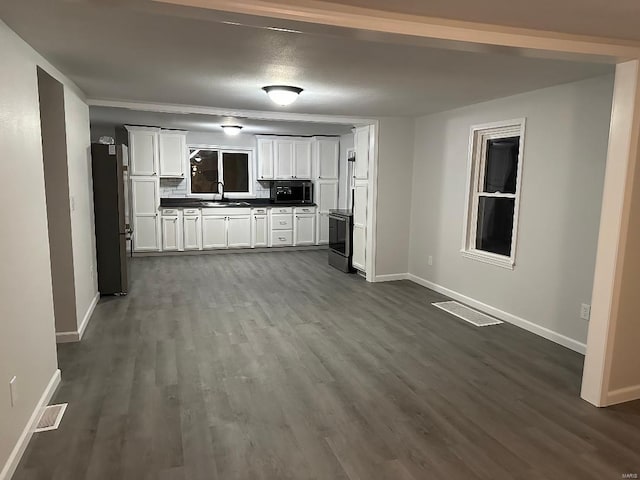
{"x":292,"y":191}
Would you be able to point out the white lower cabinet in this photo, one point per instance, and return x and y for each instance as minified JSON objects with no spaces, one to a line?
{"x":281,"y":238}
{"x":322,"y":228}
{"x":281,"y":222}
{"x":304,"y":226}
{"x":359,"y":248}
{"x":171,"y":232}
{"x":192,"y":230}
{"x":214,"y":231}
{"x":260,"y":230}
{"x":239,"y":231}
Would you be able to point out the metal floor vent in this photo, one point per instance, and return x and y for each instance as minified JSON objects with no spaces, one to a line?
{"x":467,"y":314}
{"x":51,"y":418}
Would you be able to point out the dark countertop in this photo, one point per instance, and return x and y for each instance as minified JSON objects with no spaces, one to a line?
{"x":200,"y":203}
{"x":342,"y":212}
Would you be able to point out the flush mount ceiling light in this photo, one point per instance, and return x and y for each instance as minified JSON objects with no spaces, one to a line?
{"x":231,"y":129}
{"x":283,"y":95}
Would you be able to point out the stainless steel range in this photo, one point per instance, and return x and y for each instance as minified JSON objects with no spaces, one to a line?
{"x":340,"y":240}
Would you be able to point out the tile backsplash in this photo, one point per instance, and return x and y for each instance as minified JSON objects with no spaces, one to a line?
{"x":177,"y":188}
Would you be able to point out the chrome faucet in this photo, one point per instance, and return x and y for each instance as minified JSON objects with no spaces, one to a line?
{"x":221,"y":191}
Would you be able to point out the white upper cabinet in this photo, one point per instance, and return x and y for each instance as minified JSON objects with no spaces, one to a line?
{"x":326,"y":195}
{"x":302,"y":160}
{"x":265,"y":159}
{"x":285,"y":152}
{"x":173,"y":153}
{"x":327,"y":156}
{"x":143,"y":151}
{"x":361,"y":139}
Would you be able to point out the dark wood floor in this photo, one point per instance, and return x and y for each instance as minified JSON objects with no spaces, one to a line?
{"x":275,"y":366}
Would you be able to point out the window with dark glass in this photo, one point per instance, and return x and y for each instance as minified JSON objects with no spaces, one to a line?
{"x":494,"y":192}
{"x":235,"y":166}
{"x":209,"y":166}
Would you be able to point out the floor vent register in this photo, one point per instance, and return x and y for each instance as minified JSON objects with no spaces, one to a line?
{"x":467,"y":314}
{"x":51,"y":418}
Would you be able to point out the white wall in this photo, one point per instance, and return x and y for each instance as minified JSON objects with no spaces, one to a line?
{"x":81,"y":197}
{"x":395,"y":159}
{"x":27,"y":337}
{"x":564,"y":159}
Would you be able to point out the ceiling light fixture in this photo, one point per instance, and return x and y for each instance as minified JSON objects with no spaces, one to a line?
{"x":283,"y":95}
{"x":232,"y":130}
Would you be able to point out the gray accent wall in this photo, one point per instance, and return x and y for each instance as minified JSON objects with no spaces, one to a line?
{"x":563,"y":173}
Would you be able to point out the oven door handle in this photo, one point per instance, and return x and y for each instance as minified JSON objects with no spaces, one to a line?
{"x":336,"y":217}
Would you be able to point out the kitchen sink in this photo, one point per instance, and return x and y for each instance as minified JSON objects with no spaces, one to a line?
{"x":226,"y":204}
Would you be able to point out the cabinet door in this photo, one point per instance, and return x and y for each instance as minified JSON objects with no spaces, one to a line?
{"x":214,"y":232}
{"x":326,"y":195}
{"x":143,"y":152}
{"x":360,"y":204}
{"x":192,"y":232}
{"x":146,"y":223}
{"x":362,"y":152}
{"x":323,"y":229}
{"x":284,"y":150}
{"x":359,"y":247}
{"x":260,"y":231}
{"x":170,"y":234}
{"x":302,"y":160}
{"x":173,"y":154}
{"x":239,"y":231}
{"x":305,"y":229}
{"x":265,"y":159}
{"x":327,"y":159}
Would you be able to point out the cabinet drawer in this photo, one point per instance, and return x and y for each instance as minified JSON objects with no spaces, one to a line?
{"x":281,"y":210}
{"x":281,"y":222}
{"x":303,"y":210}
{"x":225,"y":211}
{"x":169,"y":212}
{"x":281,"y":237}
{"x":192,"y":211}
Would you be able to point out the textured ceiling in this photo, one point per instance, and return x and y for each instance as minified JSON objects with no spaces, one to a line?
{"x":154,"y":53}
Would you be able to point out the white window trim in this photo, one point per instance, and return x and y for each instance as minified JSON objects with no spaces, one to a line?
{"x":477,"y":143}
{"x":222,"y":149}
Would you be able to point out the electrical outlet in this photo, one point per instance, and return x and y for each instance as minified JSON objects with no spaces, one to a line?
{"x":13,"y":390}
{"x":585,"y":311}
{"x":430,"y":260}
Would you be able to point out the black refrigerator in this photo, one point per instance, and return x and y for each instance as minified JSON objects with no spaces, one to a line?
{"x":112,"y":232}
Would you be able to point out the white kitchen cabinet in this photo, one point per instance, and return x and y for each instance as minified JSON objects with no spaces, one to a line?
{"x":192,"y":228}
{"x":302,"y":160}
{"x":146,"y":223}
{"x":326,"y":195}
{"x":172,"y":153}
{"x":214,"y":231}
{"x":304,"y":229}
{"x":326,"y":153}
{"x":171,"y":233}
{"x":265,"y":159}
{"x":238,"y":231}
{"x":322,"y":227}
{"x":260,"y":230}
{"x":143,"y":151}
{"x":360,"y":199}
{"x":361,"y":141}
{"x":284,"y":155}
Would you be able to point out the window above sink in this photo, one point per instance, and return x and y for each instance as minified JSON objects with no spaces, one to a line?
{"x":209,"y":165}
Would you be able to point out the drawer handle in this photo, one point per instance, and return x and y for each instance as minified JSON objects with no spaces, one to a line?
{"x":283,"y":223}
{"x":282,"y":239}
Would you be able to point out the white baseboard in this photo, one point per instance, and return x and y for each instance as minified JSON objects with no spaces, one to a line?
{"x":76,"y":336}
{"x":544,"y":332}
{"x":16,"y":454}
{"x":392,"y":277}
{"x":622,"y":395}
